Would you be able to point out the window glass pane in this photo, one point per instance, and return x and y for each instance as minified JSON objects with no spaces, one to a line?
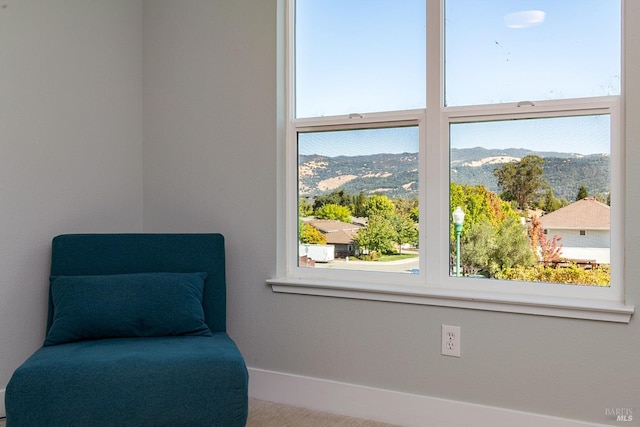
{"x":359,"y":56}
{"x":536,"y":197}
{"x":501,"y":51}
{"x":358,"y":199}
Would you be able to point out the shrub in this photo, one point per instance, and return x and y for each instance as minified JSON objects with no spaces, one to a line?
{"x":371,"y":256}
{"x":573,"y":274}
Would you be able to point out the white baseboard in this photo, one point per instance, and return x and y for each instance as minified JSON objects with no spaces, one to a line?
{"x":3,"y":412}
{"x":389,"y":406}
{"x":383,"y":405}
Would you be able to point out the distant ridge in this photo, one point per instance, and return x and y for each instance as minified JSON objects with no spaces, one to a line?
{"x":396,"y":175}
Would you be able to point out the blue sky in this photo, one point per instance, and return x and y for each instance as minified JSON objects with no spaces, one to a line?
{"x":369,"y":55}
{"x":583,"y":135}
{"x":567,"y":52}
{"x":360,"y":142}
{"x":359,"y":56}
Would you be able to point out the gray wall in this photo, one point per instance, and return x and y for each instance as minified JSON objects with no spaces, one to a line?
{"x":71,"y":160}
{"x":70,"y":145}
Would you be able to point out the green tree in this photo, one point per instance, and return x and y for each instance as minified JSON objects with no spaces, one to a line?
{"x":414,"y":213}
{"x":490,"y":249}
{"x":336,"y":197}
{"x":479,"y":204}
{"x":359,"y":203}
{"x":492,"y":234}
{"x":378,"y":236}
{"x":477,"y":246}
{"x":582,"y":193}
{"x":304,"y":207}
{"x":379,"y":205}
{"x":512,"y":247}
{"x":522,"y":181}
{"x":334,"y":212}
{"x":406,"y":230}
{"x":550,"y":203}
{"x":403,"y":205}
{"x":311,"y":235}
{"x":604,"y":198}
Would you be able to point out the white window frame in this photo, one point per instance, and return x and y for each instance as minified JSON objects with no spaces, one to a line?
{"x":434,"y":285}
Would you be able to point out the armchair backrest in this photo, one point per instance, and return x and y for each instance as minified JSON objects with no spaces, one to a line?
{"x":100,"y":254}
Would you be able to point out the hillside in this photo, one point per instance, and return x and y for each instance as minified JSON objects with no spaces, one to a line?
{"x":397,"y":174}
{"x":394,"y":174}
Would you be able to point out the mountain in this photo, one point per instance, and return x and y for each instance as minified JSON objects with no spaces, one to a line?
{"x":565,"y":172}
{"x":461,"y":155}
{"x":396,"y":175}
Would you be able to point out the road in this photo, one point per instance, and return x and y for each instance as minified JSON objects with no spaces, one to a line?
{"x":400,"y":266}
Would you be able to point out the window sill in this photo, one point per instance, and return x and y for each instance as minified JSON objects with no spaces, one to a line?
{"x":607,"y":311}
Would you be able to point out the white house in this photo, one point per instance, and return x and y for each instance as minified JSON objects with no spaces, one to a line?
{"x":585,"y":228}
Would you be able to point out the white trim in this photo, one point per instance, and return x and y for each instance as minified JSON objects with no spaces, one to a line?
{"x":3,"y":412}
{"x":592,"y":309}
{"x":389,"y":406}
{"x":359,"y":121}
{"x":569,"y":107}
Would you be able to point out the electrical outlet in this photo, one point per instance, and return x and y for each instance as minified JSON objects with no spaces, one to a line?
{"x":451,"y":340}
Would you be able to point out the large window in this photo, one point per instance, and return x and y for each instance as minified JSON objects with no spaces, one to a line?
{"x":456,"y":150}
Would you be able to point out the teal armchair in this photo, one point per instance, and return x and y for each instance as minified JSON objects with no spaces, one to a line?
{"x":136,"y":336}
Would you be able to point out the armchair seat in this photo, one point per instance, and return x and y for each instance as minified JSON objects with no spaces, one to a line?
{"x":136,"y":381}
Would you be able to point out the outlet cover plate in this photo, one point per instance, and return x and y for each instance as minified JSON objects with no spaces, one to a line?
{"x":451,"y":340}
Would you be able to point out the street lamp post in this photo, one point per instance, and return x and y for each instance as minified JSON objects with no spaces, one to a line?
{"x":458,"y":220}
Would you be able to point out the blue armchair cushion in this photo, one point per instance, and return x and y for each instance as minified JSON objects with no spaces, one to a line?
{"x":141,"y":382}
{"x":126,"y":305}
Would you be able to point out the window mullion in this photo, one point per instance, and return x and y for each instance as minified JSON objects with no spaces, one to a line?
{"x":435,"y":153}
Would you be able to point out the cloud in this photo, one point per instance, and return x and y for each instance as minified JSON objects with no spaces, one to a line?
{"x":524,"y":19}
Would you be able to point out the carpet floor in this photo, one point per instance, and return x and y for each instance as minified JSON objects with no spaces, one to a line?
{"x":269,"y":414}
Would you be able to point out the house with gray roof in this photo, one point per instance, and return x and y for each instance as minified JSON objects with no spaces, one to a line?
{"x":340,"y":234}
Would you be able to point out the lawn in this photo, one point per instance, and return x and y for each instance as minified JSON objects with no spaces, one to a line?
{"x":396,"y":257}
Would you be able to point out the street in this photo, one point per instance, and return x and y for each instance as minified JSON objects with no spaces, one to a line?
{"x":400,"y":266}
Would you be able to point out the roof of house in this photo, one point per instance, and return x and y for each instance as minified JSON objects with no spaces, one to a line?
{"x":336,"y":232}
{"x":340,"y":237}
{"x":328,"y":225}
{"x":584,"y":214}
